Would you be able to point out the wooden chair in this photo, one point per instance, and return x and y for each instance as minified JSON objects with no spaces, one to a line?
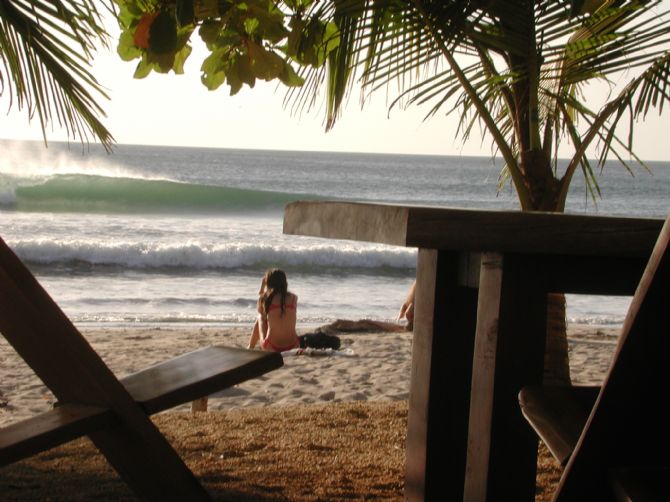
{"x":614,"y":440}
{"x":92,"y":401}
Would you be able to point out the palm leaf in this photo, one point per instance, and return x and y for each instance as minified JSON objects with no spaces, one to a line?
{"x":45,"y":48}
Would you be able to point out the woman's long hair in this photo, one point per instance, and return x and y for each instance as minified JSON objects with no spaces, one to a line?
{"x":275,"y":284}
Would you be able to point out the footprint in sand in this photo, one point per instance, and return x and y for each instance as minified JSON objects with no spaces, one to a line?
{"x":364,"y":377}
{"x":327,"y":396}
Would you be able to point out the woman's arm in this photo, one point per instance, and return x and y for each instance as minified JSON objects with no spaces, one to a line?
{"x":264,"y":326}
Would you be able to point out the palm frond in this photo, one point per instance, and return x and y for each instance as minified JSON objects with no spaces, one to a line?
{"x":45,"y":49}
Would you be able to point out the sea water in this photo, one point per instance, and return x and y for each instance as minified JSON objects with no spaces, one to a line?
{"x":150,"y":235}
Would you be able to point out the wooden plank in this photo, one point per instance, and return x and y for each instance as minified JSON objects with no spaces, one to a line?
{"x":444,"y":325}
{"x":50,"y":429}
{"x":558,"y":415}
{"x":196,"y":374}
{"x":591,"y":274}
{"x":511,"y":324}
{"x":474,"y":230}
{"x":483,"y":377}
{"x":519,"y":360}
{"x":344,"y":220}
{"x":199,"y":404}
{"x":531,"y":232}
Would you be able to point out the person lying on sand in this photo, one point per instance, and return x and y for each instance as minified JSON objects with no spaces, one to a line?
{"x":277,"y":314}
{"x":349,"y":326}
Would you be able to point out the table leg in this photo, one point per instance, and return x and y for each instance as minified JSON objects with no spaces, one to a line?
{"x":439,"y":400}
{"x":508,"y":354}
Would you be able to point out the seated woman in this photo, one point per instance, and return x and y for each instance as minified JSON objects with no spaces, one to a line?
{"x":275,"y":326}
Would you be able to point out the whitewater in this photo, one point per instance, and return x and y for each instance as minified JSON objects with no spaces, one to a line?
{"x":152,"y":235}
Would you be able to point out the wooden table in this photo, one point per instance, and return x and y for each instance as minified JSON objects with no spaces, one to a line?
{"x":480,"y":324}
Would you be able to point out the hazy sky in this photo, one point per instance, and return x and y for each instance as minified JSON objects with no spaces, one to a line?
{"x":179,"y":110}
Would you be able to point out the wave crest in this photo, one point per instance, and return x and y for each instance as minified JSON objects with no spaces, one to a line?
{"x":198,"y":256}
{"x":95,"y":193}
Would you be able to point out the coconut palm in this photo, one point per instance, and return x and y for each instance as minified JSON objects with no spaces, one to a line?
{"x":45,"y":49}
{"x":518,"y":70}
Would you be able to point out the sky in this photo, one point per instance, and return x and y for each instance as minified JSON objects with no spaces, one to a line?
{"x":178,"y":110}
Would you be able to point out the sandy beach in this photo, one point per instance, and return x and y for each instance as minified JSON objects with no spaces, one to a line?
{"x":337,"y":419}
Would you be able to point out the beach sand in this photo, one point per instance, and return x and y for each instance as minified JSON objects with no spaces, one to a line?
{"x":327,"y":427}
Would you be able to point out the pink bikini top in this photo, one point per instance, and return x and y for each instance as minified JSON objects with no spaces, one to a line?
{"x":278,"y":306}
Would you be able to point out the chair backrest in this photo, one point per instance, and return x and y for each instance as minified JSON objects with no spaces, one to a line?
{"x":48,"y":341}
{"x":628,"y":426}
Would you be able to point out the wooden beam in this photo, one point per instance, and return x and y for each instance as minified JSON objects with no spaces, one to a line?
{"x":50,"y":429}
{"x":444,"y":327}
{"x":474,"y":230}
{"x":198,"y":373}
{"x":344,"y":220}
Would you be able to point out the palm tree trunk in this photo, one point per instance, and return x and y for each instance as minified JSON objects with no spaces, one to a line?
{"x":556,"y":361}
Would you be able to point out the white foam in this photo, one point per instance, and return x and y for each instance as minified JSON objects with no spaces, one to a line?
{"x":29,"y":161}
{"x":196,"y":255}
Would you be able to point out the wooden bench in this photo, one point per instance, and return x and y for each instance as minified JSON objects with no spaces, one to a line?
{"x":558,"y":415}
{"x":92,"y":401}
{"x":614,"y":440}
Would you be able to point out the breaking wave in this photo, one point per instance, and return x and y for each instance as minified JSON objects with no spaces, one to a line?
{"x":105,"y":194}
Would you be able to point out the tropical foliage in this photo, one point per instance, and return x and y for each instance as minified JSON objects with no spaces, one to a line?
{"x":250,"y":40}
{"x":45,"y":49}
{"x":518,"y":69}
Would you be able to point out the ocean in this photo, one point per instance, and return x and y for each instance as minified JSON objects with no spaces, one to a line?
{"x":153,"y":235}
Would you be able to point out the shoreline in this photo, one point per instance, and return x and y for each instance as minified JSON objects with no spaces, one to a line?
{"x":371,"y":366}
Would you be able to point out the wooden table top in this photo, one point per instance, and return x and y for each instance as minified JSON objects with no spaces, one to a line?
{"x":474,"y":230}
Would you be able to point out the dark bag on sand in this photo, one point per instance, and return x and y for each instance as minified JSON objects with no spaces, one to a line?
{"x":319,"y":340}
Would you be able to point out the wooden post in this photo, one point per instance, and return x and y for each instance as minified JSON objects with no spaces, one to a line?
{"x":199,"y":404}
{"x":509,"y":348}
{"x":444,"y":323}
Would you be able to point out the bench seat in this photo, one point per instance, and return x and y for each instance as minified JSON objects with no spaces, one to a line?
{"x":196,"y":374}
{"x":50,"y":429}
{"x":558,"y":415}
{"x":156,"y":388}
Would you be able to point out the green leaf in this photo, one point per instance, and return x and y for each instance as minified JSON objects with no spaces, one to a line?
{"x":290,"y":78}
{"x":214,"y":69}
{"x":209,"y":31}
{"x":265,"y":64}
{"x":213,"y":80}
{"x":251,"y":25}
{"x":163,"y":63}
{"x":233,"y":80}
{"x":244,"y":70}
{"x":180,"y":58}
{"x":129,"y":14}
{"x":270,"y":19}
{"x":126,"y":48}
{"x":143,"y":69}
